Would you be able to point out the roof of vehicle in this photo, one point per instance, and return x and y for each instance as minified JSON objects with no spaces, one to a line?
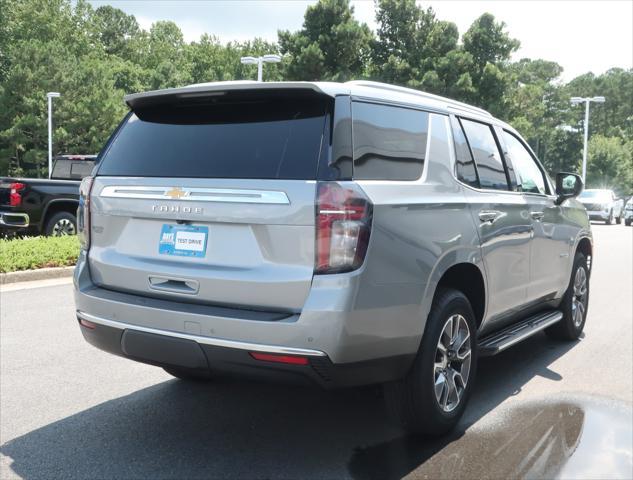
{"x":357,"y":88}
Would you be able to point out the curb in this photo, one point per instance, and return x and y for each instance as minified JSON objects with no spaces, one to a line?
{"x":39,"y":274}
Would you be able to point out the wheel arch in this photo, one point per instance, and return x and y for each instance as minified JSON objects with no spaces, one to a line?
{"x":463,"y":270}
{"x":468,"y":279}
{"x":59,"y":205}
{"x":585,"y":247}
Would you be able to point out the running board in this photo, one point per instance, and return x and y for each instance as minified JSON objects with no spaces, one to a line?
{"x":499,"y":341}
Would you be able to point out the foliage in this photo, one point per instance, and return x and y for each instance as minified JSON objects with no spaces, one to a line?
{"x":610,"y":164}
{"x":95,"y":56}
{"x":332,"y":45}
{"x":37,"y":252}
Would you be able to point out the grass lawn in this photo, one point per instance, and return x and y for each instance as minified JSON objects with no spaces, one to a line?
{"x":38,"y":252}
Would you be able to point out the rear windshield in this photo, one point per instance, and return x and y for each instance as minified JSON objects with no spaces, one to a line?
{"x":272,"y":137}
{"x":65,"y":169}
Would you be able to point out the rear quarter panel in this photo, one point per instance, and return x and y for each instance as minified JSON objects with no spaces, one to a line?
{"x":419,"y":230}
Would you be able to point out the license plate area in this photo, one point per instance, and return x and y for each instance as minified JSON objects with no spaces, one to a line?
{"x":183,"y":240}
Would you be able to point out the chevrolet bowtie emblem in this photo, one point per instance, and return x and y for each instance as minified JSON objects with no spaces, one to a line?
{"x":175,"y":193}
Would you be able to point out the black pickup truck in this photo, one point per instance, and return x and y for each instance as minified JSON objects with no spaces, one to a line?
{"x":44,"y":206}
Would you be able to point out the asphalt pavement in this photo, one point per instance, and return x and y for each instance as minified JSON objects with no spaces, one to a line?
{"x":540,"y":409}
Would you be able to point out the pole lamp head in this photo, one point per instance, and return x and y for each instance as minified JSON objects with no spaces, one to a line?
{"x":598,"y":99}
{"x":272,"y":58}
{"x":249,"y":60}
{"x":576,"y":100}
{"x":52,"y":94}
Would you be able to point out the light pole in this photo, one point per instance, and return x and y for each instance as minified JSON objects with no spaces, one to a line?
{"x":50,"y":96}
{"x":260,"y":63}
{"x":587,"y":101}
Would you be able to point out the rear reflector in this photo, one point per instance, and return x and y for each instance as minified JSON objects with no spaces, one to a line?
{"x":87,"y":324}
{"x":271,"y":357}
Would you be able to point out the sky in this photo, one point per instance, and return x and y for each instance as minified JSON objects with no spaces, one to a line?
{"x":581,"y":36}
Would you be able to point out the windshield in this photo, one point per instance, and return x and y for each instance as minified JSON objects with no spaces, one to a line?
{"x":275,"y":137}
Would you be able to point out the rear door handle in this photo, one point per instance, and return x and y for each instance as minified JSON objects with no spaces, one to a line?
{"x":489,"y":215}
{"x":537,"y":215}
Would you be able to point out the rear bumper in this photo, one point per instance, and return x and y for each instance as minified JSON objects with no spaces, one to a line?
{"x":598,"y":215}
{"x":344,"y":345}
{"x":227,"y":358}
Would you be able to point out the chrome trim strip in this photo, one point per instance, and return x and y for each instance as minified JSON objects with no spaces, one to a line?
{"x":198,"y":194}
{"x":22,"y":216}
{"x":218,"y":342}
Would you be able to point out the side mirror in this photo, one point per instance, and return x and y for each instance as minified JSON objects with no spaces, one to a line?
{"x":568,"y":185}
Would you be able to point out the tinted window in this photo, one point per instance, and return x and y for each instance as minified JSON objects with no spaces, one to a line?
{"x":482,"y":143}
{"x":389,"y":142}
{"x":235,"y":137}
{"x":529,"y":175}
{"x":465,"y":165}
{"x":65,"y":168}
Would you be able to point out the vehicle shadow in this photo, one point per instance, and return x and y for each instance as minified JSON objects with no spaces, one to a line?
{"x":231,"y":429}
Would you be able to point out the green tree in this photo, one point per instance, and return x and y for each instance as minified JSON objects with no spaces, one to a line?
{"x":332,"y":45}
{"x":397,"y":51}
{"x":490,"y":47}
{"x":166,"y":59}
{"x":610,"y":164}
{"x":114,"y":30}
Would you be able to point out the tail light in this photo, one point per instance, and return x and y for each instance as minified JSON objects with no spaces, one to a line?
{"x":83,"y":212}
{"x":343,"y":225}
{"x":15,"y":197}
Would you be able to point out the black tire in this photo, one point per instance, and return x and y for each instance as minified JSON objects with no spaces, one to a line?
{"x":412,"y":401}
{"x":189,"y":375}
{"x":567,"y":328}
{"x":618,"y":220}
{"x":627,"y":223}
{"x":609,"y":220}
{"x":61,"y":223}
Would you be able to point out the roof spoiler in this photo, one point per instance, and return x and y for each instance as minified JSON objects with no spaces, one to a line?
{"x":203,"y":90}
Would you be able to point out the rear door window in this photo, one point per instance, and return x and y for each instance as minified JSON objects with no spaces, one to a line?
{"x":268,"y":137}
{"x":490,"y":166}
{"x":389,"y":142}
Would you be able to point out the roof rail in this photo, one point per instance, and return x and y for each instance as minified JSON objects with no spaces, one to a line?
{"x":452,"y":103}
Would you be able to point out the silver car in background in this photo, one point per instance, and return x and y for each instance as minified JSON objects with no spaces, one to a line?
{"x":602,"y":204}
{"x":339,"y":234}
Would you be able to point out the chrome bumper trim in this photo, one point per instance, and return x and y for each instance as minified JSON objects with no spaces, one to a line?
{"x":21,"y":219}
{"x":218,"y":342}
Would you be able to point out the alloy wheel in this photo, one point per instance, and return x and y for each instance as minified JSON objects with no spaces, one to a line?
{"x":579,"y":297}
{"x":63,"y":227}
{"x":452,"y":363}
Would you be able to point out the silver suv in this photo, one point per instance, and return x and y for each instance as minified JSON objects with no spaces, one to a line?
{"x":337,"y":233}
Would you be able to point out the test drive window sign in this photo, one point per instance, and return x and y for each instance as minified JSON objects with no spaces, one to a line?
{"x":183,"y":240}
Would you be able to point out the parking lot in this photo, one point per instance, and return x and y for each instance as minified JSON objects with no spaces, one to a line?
{"x":69,"y":410}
